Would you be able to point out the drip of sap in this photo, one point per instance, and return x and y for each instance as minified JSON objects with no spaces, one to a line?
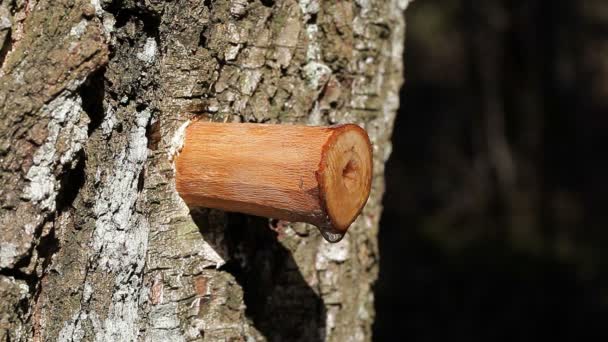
{"x":330,"y":236}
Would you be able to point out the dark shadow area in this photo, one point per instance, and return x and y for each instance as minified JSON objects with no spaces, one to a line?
{"x":495,"y":224}
{"x":282,"y":306}
{"x":92,"y":93}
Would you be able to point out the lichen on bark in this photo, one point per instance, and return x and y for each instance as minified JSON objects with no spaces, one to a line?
{"x":97,"y":244}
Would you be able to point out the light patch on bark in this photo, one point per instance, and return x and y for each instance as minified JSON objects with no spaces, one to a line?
{"x":121,"y":236}
{"x":119,"y":243}
{"x":119,"y":232}
{"x":317,"y":74}
{"x":177,"y":141}
{"x":332,"y":252}
{"x":390,"y":105}
{"x":249,"y":81}
{"x":107,"y":19}
{"x":330,"y":320}
{"x":362,"y":313}
{"x":79,"y":28}
{"x":5,"y":23}
{"x":12,"y":289}
{"x":313,"y":51}
{"x":238,"y":8}
{"x":8,"y":252}
{"x":148,"y":54}
{"x":164,"y":324}
{"x":402,"y":4}
{"x":97,"y":6}
{"x":287,"y":40}
{"x":309,"y":6}
{"x":108,"y":25}
{"x":72,"y":330}
{"x":364,"y":4}
{"x":232,"y":51}
{"x":5,"y":19}
{"x":109,"y":121}
{"x":67,"y":127}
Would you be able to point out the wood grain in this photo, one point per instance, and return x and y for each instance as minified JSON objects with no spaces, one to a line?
{"x":319,"y":175}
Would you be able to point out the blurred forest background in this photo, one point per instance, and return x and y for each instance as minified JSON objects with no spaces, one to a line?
{"x":495,"y":221}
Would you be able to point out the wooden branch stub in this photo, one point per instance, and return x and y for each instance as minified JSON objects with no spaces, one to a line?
{"x":319,"y":175}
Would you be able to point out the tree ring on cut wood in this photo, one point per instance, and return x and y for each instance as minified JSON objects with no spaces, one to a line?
{"x":345,"y":175}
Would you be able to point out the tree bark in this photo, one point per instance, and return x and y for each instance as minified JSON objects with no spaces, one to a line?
{"x":96,"y":244}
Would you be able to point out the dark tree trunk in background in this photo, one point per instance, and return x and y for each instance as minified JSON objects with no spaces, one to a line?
{"x":496,"y":190}
{"x":96,"y":244}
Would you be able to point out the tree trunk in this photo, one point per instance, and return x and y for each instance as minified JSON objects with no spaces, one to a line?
{"x":96,"y":244}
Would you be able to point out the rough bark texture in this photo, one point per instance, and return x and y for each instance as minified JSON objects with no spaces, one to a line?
{"x":97,"y":245}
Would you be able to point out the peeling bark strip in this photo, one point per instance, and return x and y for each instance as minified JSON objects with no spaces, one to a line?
{"x":96,"y":244}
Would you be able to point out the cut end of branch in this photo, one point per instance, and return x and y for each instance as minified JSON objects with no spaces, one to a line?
{"x":345,"y":175}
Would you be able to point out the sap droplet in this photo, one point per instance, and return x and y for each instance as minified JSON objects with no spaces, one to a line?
{"x":330,"y":236}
